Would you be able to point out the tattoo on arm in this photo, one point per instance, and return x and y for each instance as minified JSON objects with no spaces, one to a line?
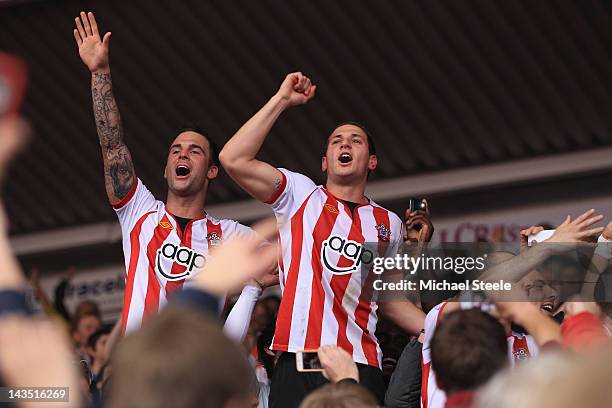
{"x":106,"y":112}
{"x":119,"y":172}
{"x":278,"y":183}
{"x":118,"y":165}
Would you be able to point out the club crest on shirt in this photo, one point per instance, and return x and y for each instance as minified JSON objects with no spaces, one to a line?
{"x":383,"y":232}
{"x":165,"y":225}
{"x":213,"y":238}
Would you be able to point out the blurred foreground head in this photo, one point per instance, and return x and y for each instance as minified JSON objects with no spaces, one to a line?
{"x":553,"y":380}
{"x":340,"y":395}
{"x":179,"y":359}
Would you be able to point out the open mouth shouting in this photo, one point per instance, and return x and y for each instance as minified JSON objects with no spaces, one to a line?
{"x":182,"y":171}
{"x":345,"y":158}
{"x":548,"y":307}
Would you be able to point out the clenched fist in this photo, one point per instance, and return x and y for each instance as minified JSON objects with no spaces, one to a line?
{"x":297,"y":89}
{"x":92,"y":49}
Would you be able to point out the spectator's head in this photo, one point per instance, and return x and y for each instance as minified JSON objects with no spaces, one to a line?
{"x":350,"y":154}
{"x":87,"y":307}
{"x":259,"y":318}
{"x":272,"y":304}
{"x":392,"y":341}
{"x":535,"y":284}
{"x":553,"y":380}
{"x":84,"y":326}
{"x":193,"y":162}
{"x":97,"y":342}
{"x":180,"y":359}
{"x":340,"y":395}
{"x":540,"y":293}
{"x":467,"y":349}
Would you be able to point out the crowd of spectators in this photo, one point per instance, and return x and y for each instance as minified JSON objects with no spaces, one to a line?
{"x":470,"y":354}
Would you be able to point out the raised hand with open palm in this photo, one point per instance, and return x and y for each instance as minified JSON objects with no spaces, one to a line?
{"x":93,"y":50}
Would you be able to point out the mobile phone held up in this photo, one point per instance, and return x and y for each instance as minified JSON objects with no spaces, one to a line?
{"x":13,"y":79}
{"x":307,"y":361}
{"x":417,"y":204}
{"x":540,"y":236}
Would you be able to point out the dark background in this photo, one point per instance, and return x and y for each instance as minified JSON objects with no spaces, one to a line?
{"x":440,"y":84}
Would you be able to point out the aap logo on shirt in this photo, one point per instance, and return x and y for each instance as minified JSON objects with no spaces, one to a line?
{"x":182,"y":256}
{"x":351,"y":250}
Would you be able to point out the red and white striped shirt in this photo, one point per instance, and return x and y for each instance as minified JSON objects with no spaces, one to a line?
{"x":159,"y":257}
{"x":327,"y":295}
{"x":520,"y":347}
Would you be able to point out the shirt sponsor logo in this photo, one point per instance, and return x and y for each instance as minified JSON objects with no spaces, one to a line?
{"x":165,"y":225}
{"x":182,"y":256}
{"x":330,"y":208}
{"x":351,"y":250}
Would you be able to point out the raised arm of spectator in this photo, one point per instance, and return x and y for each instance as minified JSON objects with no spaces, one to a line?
{"x":237,"y":323}
{"x":12,"y":281}
{"x":543,"y":329}
{"x":599,"y":263}
{"x":113,"y":339}
{"x":582,"y":327}
{"x":258,"y":178}
{"x":405,"y":314}
{"x":59,"y":295}
{"x":119,"y":174}
{"x":566,"y":236}
{"x":14,"y":134}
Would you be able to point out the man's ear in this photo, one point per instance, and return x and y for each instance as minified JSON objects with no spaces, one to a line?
{"x":166,"y":173}
{"x":213,"y":172}
{"x":324,"y":164}
{"x":373,"y":162}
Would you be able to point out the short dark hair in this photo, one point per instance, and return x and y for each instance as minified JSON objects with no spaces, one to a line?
{"x":467,"y":349}
{"x":179,"y":358}
{"x":93,"y":339}
{"x":214,"y":148}
{"x":371,"y":144}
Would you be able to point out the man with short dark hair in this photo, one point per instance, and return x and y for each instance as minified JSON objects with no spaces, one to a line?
{"x":327,"y":294}
{"x":164,"y":244}
{"x":467,"y":349}
{"x":96,"y":349}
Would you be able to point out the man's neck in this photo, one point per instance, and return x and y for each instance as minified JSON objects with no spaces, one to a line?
{"x":186,"y":207}
{"x":350,"y":192}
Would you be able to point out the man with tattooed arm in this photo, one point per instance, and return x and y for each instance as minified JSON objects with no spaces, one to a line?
{"x":164,"y":244}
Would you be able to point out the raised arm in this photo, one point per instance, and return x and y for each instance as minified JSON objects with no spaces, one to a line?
{"x":258,"y":178}
{"x":119,"y":172}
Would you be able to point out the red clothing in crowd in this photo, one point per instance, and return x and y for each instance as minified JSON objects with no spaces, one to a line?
{"x":582,"y":331}
{"x":462,"y":399}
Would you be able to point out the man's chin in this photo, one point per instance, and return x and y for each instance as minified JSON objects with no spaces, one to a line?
{"x":181,"y":188}
{"x":346,"y":176}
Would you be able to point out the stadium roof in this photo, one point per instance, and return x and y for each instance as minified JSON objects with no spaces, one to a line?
{"x":441,"y":85}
